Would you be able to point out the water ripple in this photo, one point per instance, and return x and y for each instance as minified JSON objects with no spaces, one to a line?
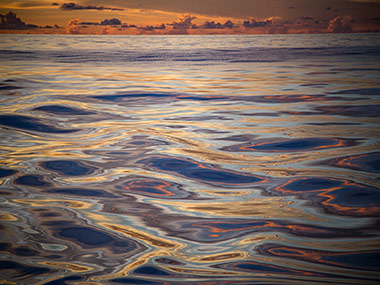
{"x":189,"y":160}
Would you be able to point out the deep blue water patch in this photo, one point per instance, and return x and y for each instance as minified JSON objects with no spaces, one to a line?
{"x":172,"y":96}
{"x":359,"y":91}
{"x":58,"y":223}
{"x":305,"y":184}
{"x":336,"y":196}
{"x":332,"y":123}
{"x":19,"y":251}
{"x":31,"y":180}
{"x":292,"y":145}
{"x":120,"y":97}
{"x":94,"y":238}
{"x":351,"y":200}
{"x":49,"y":214}
{"x":68,"y":167}
{"x":25,"y":251}
{"x":200,"y":172}
{"x":24,"y":270}
{"x":6,"y":172}
{"x":134,"y":281}
{"x":63,"y":110}
{"x":31,"y":124}
{"x":4,"y":86}
{"x":62,"y":281}
{"x":362,"y":260}
{"x":263,"y":268}
{"x":220,"y":230}
{"x":4,"y":246}
{"x":85,"y":235}
{"x":151,"y":271}
{"x":269,"y":99}
{"x":169,"y":261}
{"x":81,"y":192}
{"x":367,"y":162}
{"x":350,"y":111}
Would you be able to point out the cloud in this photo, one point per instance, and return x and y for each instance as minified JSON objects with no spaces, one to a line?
{"x":11,"y":21}
{"x":339,"y":25}
{"x":73,"y":27}
{"x":73,"y":6}
{"x":256,"y":24}
{"x":213,"y":25}
{"x":152,"y":28}
{"x":184,"y":23}
{"x":105,"y":22}
{"x":112,"y":21}
{"x":180,"y":27}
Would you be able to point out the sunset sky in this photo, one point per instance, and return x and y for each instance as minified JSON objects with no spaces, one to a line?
{"x":193,"y":17}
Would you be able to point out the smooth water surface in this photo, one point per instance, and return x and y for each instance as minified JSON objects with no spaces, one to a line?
{"x":190,"y":159}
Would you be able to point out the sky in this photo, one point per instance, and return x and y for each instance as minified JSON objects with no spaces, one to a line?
{"x":189,"y":16}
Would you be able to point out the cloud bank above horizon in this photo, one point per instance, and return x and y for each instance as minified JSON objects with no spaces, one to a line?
{"x":194,"y":17}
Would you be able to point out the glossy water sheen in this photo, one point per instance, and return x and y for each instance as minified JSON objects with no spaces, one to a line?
{"x":190,"y":160}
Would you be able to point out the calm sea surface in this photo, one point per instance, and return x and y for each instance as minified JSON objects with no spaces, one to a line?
{"x":190,"y":159}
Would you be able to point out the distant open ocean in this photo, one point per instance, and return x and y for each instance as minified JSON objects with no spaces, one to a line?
{"x":238,"y":159}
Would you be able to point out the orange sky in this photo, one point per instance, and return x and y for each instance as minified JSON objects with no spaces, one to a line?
{"x":193,"y":17}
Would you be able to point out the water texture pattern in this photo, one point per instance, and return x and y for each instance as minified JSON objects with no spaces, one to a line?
{"x":190,"y":159}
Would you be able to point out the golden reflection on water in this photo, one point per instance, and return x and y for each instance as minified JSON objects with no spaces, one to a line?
{"x":262,"y":207}
{"x":80,"y":205}
{"x":189,"y":171}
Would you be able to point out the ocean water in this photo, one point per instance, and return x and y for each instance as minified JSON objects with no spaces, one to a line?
{"x":190,"y":159}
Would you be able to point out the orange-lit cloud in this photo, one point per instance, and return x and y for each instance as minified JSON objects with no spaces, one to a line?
{"x":73,"y":27}
{"x":339,"y":25}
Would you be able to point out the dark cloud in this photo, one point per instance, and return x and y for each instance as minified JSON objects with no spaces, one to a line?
{"x":152,"y":28}
{"x":128,"y":26}
{"x":11,"y":21}
{"x":256,"y":24}
{"x":89,"y":23}
{"x":113,"y":21}
{"x":213,"y":25}
{"x":306,"y":18}
{"x":106,"y":22}
{"x":73,"y":6}
{"x":55,"y":4}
